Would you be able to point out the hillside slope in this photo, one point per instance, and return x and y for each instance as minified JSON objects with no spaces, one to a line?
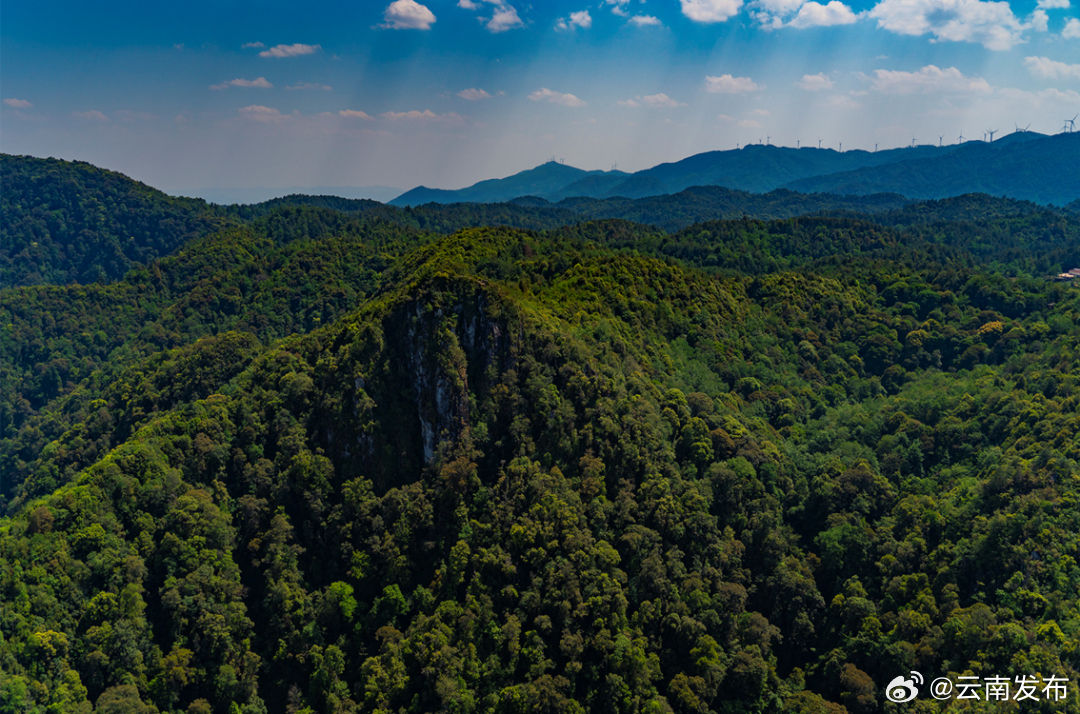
{"x":542,"y":473}
{"x":70,"y":222}
{"x":1042,"y":170}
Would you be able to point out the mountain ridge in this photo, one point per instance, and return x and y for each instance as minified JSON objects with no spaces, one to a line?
{"x":763,"y":168}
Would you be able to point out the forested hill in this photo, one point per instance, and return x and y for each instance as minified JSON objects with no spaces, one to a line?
{"x":1042,"y":169}
{"x":1022,"y":165}
{"x":325,"y":461}
{"x":69,"y":221}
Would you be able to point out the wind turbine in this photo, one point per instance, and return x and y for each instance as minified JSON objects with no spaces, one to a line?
{"x":913,"y":142}
{"x":797,"y":142}
{"x":1071,"y":123}
{"x":991,"y":132}
{"x":939,"y":140}
{"x":819,"y":143}
{"x":961,"y":137}
{"x":841,"y":147}
{"x":875,"y":147}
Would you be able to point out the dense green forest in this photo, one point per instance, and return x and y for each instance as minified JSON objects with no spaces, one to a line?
{"x":349,"y":458}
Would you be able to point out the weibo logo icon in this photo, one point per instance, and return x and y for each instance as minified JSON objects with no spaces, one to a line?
{"x":902,"y":690}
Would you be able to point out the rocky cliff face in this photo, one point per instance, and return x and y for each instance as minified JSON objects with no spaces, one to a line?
{"x":413,"y":372}
{"x":443,"y":347}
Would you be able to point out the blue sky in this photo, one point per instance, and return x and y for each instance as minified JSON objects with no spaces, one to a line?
{"x":448,"y":92}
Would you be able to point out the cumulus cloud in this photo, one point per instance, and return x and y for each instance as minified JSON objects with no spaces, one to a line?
{"x":618,"y":7}
{"x":1053,"y":4}
{"x":18,"y":103}
{"x":425,"y":116}
{"x":252,"y":46}
{"x":774,"y":14}
{"x":354,"y":114}
{"x":407,"y":15}
{"x":644,"y":21}
{"x":726,"y":84}
{"x":652,"y":100}
{"x":814,"y":82}
{"x":660,"y":100}
{"x":928,"y":80}
{"x":503,"y":15}
{"x":473,"y":94}
{"x":710,"y":10}
{"x":545,"y":94}
{"x":290,"y":50}
{"x":1046,"y":68}
{"x":92,"y":115}
{"x":259,"y":83}
{"x":814,"y":14}
{"x":311,"y":85}
{"x":263,"y":115}
{"x":580,"y":19}
{"x":505,"y":18}
{"x":1072,"y":29}
{"x":991,"y":24}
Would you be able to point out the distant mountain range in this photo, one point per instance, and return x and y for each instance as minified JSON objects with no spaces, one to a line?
{"x":259,"y":194}
{"x":1023,"y":165}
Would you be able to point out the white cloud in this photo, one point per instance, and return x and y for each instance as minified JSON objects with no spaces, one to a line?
{"x":311,"y":85}
{"x":265,"y":115}
{"x":644,"y":21}
{"x":652,"y":100}
{"x":290,"y":50}
{"x":726,"y":84}
{"x":580,"y":19}
{"x":504,"y":18}
{"x":1053,"y":4}
{"x":1046,"y":68}
{"x":660,"y":100}
{"x":928,"y":80}
{"x":1039,"y":21}
{"x":1072,"y":29}
{"x":354,"y":114}
{"x":814,"y":82}
{"x":710,"y":10}
{"x":414,"y":115}
{"x":761,"y":112}
{"x":618,"y":7}
{"x":992,"y":24}
{"x":407,"y":15}
{"x":252,"y":45}
{"x":259,"y":83}
{"x":567,"y":100}
{"x":18,"y":103}
{"x":92,"y":115}
{"x":425,"y":116}
{"x":814,"y":14}
{"x":473,"y":94}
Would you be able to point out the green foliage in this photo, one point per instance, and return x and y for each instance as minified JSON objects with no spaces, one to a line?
{"x":67,"y":222}
{"x":326,"y":463}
